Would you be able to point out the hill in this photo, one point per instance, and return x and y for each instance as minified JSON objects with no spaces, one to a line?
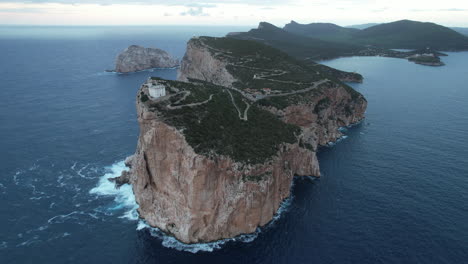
{"x":461,"y":30}
{"x":407,"y":34}
{"x":296,"y":45}
{"x":403,"y":34}
{"x":324,"y":31}
{"x":363,"y":26}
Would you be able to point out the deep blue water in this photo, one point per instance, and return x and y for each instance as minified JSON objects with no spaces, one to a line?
{"x":394,"y":191}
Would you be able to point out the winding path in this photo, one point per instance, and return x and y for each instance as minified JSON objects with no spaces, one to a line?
{"x":245,"y":117}
{"x":189,"y":105}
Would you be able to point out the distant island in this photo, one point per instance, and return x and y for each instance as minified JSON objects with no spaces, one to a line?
{"x":218,"y":148}
{"x":137,"y":58}
{"x":461,"y":30}
{"x":319,"y":41}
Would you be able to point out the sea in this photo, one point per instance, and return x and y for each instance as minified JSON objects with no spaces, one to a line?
{"x":394,"y":189}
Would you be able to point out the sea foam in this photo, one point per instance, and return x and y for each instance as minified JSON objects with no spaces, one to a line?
{"x":123,"y":196}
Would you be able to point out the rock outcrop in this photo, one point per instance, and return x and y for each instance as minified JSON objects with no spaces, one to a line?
{"x":199,"y":63}
{"x":205,"y":196}
{"x":137,"y":58}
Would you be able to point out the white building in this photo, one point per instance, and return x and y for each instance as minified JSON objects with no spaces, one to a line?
{"x":156,"y":90}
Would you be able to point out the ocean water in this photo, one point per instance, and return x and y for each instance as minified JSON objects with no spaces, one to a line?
{"x":393,"y":191}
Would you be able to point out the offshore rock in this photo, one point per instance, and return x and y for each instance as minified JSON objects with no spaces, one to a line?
{"x":137,"y":58}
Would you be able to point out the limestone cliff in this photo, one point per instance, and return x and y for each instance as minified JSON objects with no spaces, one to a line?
{"x":137,"y":58}
{"x":215,"y":158}
{"x":204,"y":197}
{"x":198,"y":63}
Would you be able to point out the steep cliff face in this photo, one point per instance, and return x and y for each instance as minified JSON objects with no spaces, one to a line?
{"x":324,"y":114}
{"x":199,"y":63}
{"x":198,"y":198}
{"x":137,"y":58}
{"x":201,"y":188}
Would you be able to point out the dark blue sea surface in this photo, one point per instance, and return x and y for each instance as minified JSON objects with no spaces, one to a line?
{"x":395,"y":190}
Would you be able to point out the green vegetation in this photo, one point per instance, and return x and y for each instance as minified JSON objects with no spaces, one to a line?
{"x":323,"y":31}
{"x":340,"y":75}
{"x":296,"y":45}
{"x":318,"y":41}
{"x":215,"y":127}
{"x":144,"y":97}
{"x":322,"y":105}
{"x":406,"y":34}
{"x":425,"y":59}
{"x":257,"y":66}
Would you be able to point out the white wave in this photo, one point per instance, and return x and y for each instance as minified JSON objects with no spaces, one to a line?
{"x":33,"y":240}
{"x":3,"y":245}
{"x":123,"y":196}
{"x":75,"y":217}
{"x":83,"y":172}
{"x":355,"y":124}
{"x":172,"y":242}
{"x":342,"y":129}
{"x":341,"y":138}
{"x":62,"y":235}
{"x":16,"y":177}
{"x":34,"y":167}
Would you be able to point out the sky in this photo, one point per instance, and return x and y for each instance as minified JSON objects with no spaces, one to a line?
{"x":229,"y":12}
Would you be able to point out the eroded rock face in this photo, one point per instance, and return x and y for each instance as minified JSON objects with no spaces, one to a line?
{"x":198,"y":199}
{"x":320,"y":121}
{"x":137,"y":58}
{"x":199,"y":63}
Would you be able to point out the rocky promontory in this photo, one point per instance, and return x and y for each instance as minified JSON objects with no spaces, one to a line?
{"x":219,"y":148}
{"x":137,"y":58}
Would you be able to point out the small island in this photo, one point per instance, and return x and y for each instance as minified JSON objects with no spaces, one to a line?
{"x":428,"y":59}
{"x":137,"y":58}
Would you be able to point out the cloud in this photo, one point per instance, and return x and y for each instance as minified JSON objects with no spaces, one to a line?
{"x":383,"y":9}
{"x":204,"y":5}
{"x":22,"y":10}
{"x":188,"y":3}
{"x":453,"y":10}
{"x":194,"y":11}
{"x":440,"y":10}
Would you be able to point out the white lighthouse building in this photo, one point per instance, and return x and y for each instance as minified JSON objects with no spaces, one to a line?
{"x":156,"y":90}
